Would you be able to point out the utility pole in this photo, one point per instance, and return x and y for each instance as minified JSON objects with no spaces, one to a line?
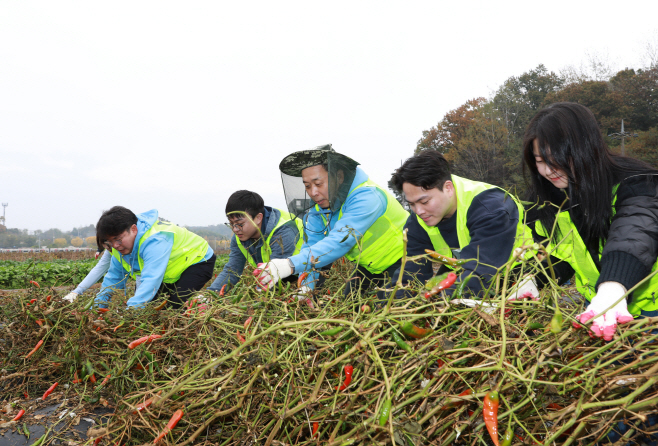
{"x":4,"y":209}
{"x":622,"y":135}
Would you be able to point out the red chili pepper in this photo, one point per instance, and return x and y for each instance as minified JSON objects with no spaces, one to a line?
{"x":146,"y":403}
{"x":301,"y":279}
{"x":76,"y":380}
{"x":32,"y":301}
{"x":240,"y":337}
{"x":490,"y":414}
{"x":25,"y":395}
{"x":92,"y":378}
{"x":247,"y":323}
{"x":98,"y":440}
{"x":348,"y":377}
{"x":458,"y":403}
{"x":40,"y":322}
{"x":36,"y":284}
{"x":34,"y":350}
{"x":316,"y":425}
{"x":443,"y":285}
{"x":118,"y":326}
{"x":103,"y":310}
{"x":148,"y":339}
{"x":440,"y":363}
{"x":445,"y":260}
{"x":48,"y":297}
{"x":412,"y":331}
{"x":554,"y":406}
{"x":222,"y":290}
{"x":19,"y":415}
{"x":175,"y":418}
{"x":49,"y":391}
{"x":107,"y":378}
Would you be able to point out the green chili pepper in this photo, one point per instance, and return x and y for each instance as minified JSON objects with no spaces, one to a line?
{"x":332,"y":332}
{"x":89,"y":304}
{"x":459,"y":290}
{"x":400,"y":342}
{"x":412,"y":331}
{"x":535,"y":326}
{"x":556,"y":321}
{"x":509,"y":436}
{"x":445,"y":260}
{"x":90,"y":368}
{"x":434,"y":281}
{"x":26,"y":431}
{"x":384,"y":412}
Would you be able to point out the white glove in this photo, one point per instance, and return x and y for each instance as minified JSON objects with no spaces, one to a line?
{"x":71,"y":296}
{"x":525,"y":289}
{"x":302,"y":292}
{"x":269,"y":274}
{"x":605,"y":324}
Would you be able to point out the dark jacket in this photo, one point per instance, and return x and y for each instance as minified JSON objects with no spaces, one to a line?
{"x":632,"y":245}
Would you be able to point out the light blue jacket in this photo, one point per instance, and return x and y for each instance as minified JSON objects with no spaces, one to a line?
{"x":155,"y":252}
{"x":327,"y":242}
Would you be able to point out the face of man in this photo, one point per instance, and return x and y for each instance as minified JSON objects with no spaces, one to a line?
{"x":316,"y":182}
{"x":432,"y":205}
{"x":243,"y":227}
{"x":123,"y":242}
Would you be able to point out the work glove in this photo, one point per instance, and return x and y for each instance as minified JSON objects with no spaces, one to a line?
{"x":269,"y":274}
{"x":97,"y":255}
{"x":304,"y":293}
{"x":71,"y":296}
{"x":605,"y":322}
{"x":525,"y":289}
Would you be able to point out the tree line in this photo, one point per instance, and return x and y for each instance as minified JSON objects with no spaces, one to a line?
{"x":482,"y":139}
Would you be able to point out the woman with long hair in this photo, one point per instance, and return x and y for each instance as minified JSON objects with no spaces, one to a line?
{"x":598,"y":211}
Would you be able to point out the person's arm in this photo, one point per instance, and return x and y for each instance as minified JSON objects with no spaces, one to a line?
{"x":232,"y":269}
{"x":96,"y":273}
{"x":492,"y":221}
{"x":632,"y":245}
{"x":155,"y":252}
{"x":360,"y":211}
{"x":115,"y":279}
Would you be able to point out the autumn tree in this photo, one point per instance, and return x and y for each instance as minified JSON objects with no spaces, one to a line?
{"x":59,"y":242}
{"x":77,"y":242}
{"x":91,"y":242}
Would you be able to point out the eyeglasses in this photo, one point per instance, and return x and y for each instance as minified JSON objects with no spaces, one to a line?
{"x":118,"y":241}
{"x":236,"y":226}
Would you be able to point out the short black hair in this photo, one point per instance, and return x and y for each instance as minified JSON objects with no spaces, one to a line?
{"x":245,"y":201}
{"x":427,"y":169}
{"x":114,"y":222}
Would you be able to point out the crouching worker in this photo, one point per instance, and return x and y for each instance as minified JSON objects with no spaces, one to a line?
{"x":262,"y":233}
{"x":459,"y":218}
{"x":170,"y":259}
{"x":348,"y":215}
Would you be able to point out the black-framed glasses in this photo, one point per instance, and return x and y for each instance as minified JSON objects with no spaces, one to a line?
{"x":235,"y":226}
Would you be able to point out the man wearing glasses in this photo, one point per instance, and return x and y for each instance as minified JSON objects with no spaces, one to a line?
{"x":171,"y":259}
{"x":261,"y":233}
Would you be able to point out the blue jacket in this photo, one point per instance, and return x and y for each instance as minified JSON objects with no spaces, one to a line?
{"x":155,"y":252}
{"x":326,"y":242}
{"x":283,"y":244}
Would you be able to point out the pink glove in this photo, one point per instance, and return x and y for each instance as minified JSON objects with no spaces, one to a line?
{"x":605,"y":322}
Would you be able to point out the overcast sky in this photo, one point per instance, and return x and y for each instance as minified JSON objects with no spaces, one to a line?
{"x":175,"y":105}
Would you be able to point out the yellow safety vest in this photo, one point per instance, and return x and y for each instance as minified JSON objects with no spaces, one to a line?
{"x":571,"y":248}
{"x":266,"y":249}
{"x":381,"y":245}
{"x":466,"y":191}
{"x":188,"y":249}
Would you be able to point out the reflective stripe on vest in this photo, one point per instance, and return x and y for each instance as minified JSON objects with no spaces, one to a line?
{"x":381,"y":245}
{"x":571,"y":248}
{"x":266,"y":249}
{"x":187,"y":250}
{"x":466,"y":191}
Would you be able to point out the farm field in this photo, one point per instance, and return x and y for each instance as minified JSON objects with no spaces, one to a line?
{"x":266,"y":368}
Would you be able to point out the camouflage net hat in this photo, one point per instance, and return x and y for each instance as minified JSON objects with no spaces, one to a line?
{"x":294,"y":163}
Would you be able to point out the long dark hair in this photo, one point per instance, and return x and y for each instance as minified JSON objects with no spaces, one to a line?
{"x":569,"y":139}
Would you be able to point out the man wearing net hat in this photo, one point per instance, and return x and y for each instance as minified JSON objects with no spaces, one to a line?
{"x":344,"y":214}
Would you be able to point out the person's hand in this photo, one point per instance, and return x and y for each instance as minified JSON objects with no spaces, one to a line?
{"x":97,"y":255}
{"x":525,"y":289}
{"x":71,"y":296}
{"x":269,"y":274}
{"x":605,"y":322}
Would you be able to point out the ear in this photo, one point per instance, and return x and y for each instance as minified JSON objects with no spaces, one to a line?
{"x":340,"y":177}
{"x":449,"y":188}
{"x":133,"y":229}
{"x":258,"y":219}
